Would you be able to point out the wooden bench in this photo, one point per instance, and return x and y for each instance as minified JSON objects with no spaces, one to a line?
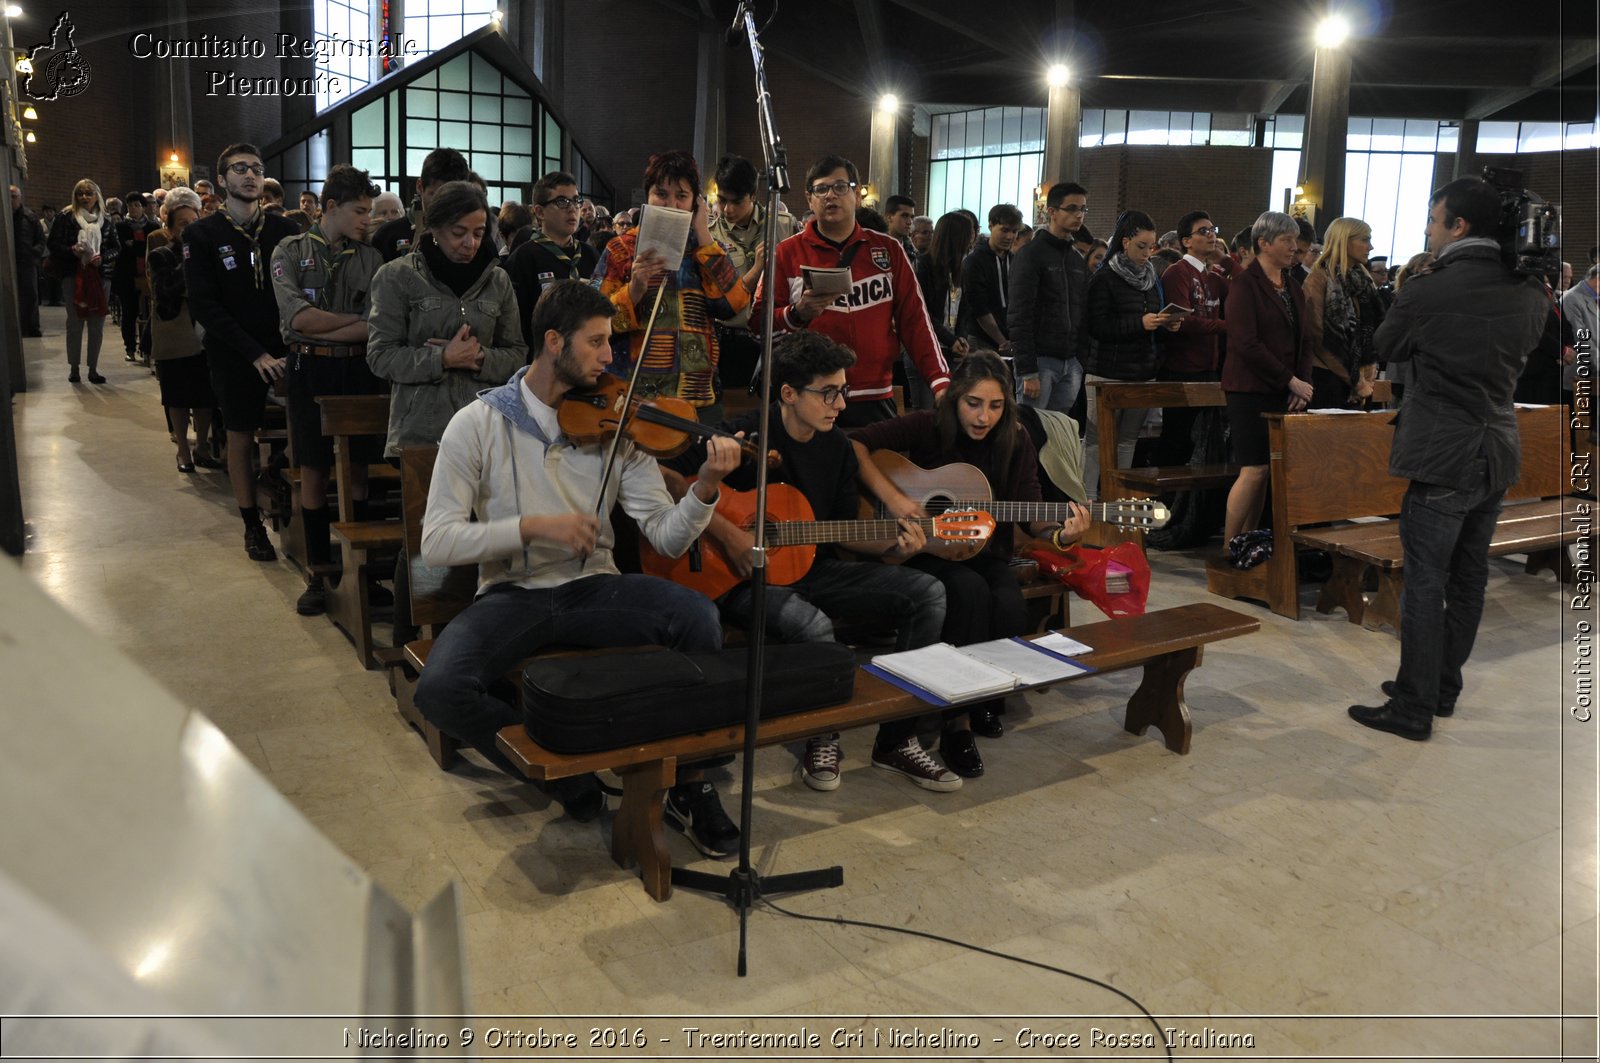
{"x":1330,"y":469}
{"x":1167,"y":644}
{"x":366,"y":548}
{"x":1148,"y":481}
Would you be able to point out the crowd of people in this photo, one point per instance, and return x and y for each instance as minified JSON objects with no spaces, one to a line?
{"x":478,"y":322}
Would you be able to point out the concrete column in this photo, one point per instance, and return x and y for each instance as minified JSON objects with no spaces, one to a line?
{"x":174,"y":101}
{"x":536,"y":27}
{"x":1326,"y":138}
{"x":710,"y":107}
{"x":883,"y":155}
{"x":1467,"y":164}
{"x":1062,"y":130}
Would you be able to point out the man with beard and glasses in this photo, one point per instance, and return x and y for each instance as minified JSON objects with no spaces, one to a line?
{"x":225,"y":261}
{"x":545,"y":568}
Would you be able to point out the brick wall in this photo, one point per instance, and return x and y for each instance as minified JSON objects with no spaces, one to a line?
{"x":815,"y":117}
{"x":223,"y":120}
{"x":93,"y":134}
{"x":627,"y":103}
{"x":1166,"y":183}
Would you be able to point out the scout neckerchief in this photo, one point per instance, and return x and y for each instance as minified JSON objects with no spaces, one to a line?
{"x":572,"y":260}
{"x":330,"y":265}
{"x":253,"y":234}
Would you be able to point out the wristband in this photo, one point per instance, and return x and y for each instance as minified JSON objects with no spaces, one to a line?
{"x":1055,"y":538}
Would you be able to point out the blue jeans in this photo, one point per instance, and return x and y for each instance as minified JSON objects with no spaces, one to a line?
{"x":508,"y":623}
{"x":1059,"y":384}
{"x":910,"y":601}
{"x":1445,"y":533}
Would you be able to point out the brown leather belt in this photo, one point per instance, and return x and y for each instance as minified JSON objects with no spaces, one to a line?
{"x":350,"y":351}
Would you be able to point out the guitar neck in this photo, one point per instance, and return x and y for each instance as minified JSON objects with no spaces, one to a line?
{"x":1032,"y":512}
{"x":812,"y":532}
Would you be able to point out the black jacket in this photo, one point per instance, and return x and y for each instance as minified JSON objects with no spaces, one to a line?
{"x":64,"y":237}
{"x":131,"y":236}
{"x":1044,"y":313}
{"x":985,"y":287}
{"x":1466,"y":327}
{"x":27,"y":238}
{"x":536,"y":263}
{"x":1122,"y":348}
{"x":396,"y":238}
{"x":936,"y":297}
{"x":235,"y":304}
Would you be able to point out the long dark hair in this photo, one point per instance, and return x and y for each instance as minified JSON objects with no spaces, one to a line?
{"x":952,"y":238}
{"x":971,"y":371}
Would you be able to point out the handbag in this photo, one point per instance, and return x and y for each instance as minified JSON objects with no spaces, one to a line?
{"x":1084,"y":570}
{"x":89,"y":294}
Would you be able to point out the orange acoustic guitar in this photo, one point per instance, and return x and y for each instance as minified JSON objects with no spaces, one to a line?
{"x":792,"y":537}
{"x":964,"y":487}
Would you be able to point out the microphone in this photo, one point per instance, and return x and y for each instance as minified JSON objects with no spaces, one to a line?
{"x":735,"y":32}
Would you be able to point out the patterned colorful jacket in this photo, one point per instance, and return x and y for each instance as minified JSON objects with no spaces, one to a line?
{"x":682,"y":359}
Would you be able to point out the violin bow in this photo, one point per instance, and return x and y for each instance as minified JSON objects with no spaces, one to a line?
{"x":627,"y":403}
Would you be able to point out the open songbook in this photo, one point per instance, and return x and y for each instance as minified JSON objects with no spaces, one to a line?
{"x":954,"y":674}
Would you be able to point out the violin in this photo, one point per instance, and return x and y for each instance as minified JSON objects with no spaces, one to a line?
{"x":660,"y":426}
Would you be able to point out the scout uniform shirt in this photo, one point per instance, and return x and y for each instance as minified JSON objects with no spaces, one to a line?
{"x":308,"y":272}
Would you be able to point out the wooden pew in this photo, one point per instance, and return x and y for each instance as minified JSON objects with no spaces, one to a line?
{"x":366,"y":548}
{"x":1167,"y":644}
{"x":1333,"y":468}
{"x":1148,"y":481}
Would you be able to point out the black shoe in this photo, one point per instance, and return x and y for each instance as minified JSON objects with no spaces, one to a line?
{"x":96,"y":378}
{"x":379,"y":596}
{"x":72,"y":377}
{"x":986,"y":722}
{"x":1390,"y":717}
{"x":959,"y":751}
{"x":580,"y":796}
{"x":1390,"y":689}
{"x":257,"y":545}
{"x":130,"y":356}
{"x":186,"y":466}
{"x":694,"y":809}
{"x":206,"y":461}
{"x":313,"y":601}
{"x":405,"y":633}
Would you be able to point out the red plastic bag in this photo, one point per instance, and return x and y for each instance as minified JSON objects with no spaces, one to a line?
{"x":89,"y":293}
{"x":1084,"y":568}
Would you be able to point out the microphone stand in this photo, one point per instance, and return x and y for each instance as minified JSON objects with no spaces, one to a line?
{"x":743,"y":886}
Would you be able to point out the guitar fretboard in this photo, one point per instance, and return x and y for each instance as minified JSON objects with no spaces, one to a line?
{"x":810,"y":532}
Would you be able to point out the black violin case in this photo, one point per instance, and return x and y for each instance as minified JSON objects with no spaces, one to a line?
{"x":589,"y":702}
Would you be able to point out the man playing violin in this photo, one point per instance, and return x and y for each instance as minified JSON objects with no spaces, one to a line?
{"x":809,"y":371}
{"x":546,"y":573}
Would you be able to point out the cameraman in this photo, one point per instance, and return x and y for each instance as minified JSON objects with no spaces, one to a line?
{"x":1466,"y":327}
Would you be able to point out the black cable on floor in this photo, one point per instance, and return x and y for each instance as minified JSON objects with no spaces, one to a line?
{"x":842,"y":921}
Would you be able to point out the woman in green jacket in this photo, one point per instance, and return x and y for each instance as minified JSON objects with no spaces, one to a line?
{"x":444,"y":321}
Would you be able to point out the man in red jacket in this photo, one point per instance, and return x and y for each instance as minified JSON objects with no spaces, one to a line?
{"x":883,"y":310}
{"x":1194,"y":351}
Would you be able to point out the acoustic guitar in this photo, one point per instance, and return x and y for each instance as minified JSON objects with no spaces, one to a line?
{"x":963,"y":487}
{"x":792,"y":536}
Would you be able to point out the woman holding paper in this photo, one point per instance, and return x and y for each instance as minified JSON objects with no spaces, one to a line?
{"x":701,"y":286}
{"x":976,"y":423}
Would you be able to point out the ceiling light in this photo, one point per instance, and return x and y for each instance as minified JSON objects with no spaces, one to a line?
{"x":29,"y":114}
{"x":13,"y":11}
{"x":1332,"y":31}
{"x":30,"y":138}
{"x":1058,"y":76}
{"x":25,"y":65}
{"x":173,"y":157}
{"x":888,"y":103}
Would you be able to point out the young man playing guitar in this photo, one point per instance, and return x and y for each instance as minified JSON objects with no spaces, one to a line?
{"x":546,"y":574}
{"x":809,"y":371}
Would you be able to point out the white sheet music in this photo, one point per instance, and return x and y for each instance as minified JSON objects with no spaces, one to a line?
{"x":1056,"y":642}
{"x":664,"y":230}
{"x":1028,"y":665}
{"x":946,"y":671}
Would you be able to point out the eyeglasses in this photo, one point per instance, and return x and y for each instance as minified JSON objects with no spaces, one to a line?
{"x":564,"y":202}
{"x":830,"y":394}
{"x":1204,"y":230}
{"x":242,"y":168}
{"x":838,"y":188}
{"x":1067,"y":208}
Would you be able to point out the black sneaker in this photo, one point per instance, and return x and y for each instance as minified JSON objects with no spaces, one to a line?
{"x":580,"y":796}
{"x":694,"y":809}
{"x":96,"y":378}
{"x":314,"y":600}
{"x":1390,"y":688}
{"x":1392,"y":718}
{"x":257,"y":545}
{"x":73,"y":377}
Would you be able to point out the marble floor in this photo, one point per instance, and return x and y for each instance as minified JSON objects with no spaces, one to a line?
{"x":1325,"y":890}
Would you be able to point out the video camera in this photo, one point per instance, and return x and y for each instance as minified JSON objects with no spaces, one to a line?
{"x":1530,"y":228}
